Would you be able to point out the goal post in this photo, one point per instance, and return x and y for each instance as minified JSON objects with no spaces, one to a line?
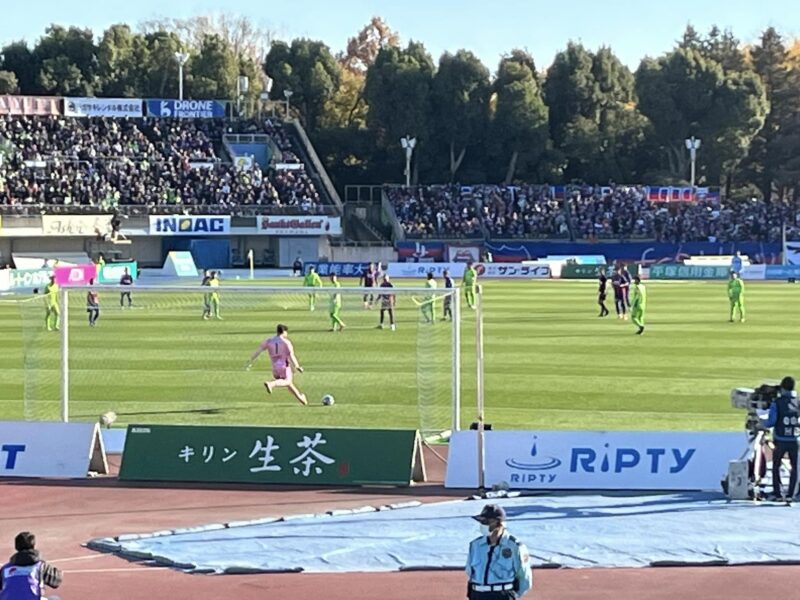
{"x":161,"y":361}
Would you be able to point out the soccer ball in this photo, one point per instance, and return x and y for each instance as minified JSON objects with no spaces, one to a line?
{"x":327,"y":400}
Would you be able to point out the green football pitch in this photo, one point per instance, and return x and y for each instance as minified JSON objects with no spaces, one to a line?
{"x":551,"y":363}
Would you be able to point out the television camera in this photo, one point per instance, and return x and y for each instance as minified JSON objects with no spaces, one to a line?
{"x":745,"y":475}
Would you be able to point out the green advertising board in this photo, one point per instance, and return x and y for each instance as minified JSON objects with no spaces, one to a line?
{"x":688,"y":272}
{"x":272,"y":455}
{"x":112,"y":272}
{"x":573,"y":271}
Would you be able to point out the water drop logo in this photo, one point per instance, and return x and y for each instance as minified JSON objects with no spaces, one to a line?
{"x":537,"y":463}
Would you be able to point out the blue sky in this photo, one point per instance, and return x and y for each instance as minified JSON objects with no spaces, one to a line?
{"x":633,"y":28}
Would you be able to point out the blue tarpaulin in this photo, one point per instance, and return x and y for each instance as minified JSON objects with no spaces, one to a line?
{"x":568,"y":531}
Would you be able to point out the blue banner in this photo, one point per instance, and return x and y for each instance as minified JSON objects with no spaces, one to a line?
{"x":191,"y":225}
{"x":186,"y":109}
{"x":343,"y":269}
{"x":645,"y":252}
{"x":420,"y":251}
{"x":782,"y":272}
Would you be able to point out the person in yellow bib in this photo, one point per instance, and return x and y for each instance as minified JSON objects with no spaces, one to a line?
{"x":213,"y":283}
{"x":336,"y":306}
{"x":638,"y":304}
{"x":52,"y":314}
{"x":470,"y":284}
{"x":313,"y":280}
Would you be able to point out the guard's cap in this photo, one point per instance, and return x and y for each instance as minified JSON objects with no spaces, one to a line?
{"x":491,"y":511}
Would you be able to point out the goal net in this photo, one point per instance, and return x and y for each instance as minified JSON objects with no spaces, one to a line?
{"x":165,"y":358}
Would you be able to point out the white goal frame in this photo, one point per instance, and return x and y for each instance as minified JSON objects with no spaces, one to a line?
{"x":455,"y":292}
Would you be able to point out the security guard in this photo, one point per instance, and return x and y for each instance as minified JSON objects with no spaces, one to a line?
{"x":26,"y":574}
{"x":784,"y":416}
{"x":498,"y":566}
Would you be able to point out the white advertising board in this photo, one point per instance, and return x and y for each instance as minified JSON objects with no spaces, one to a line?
{"x":47,"y":449}
{"x":596,"y":460}
{"x":456,"y":269}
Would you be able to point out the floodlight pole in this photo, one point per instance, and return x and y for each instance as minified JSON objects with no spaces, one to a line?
{"x":692,"y":145}
{"x":408,"y":143}
{"x":181,"y":57}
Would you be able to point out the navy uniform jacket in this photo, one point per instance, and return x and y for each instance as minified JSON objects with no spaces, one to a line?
{"x":507,"y":562}
{"x":784,"y":416}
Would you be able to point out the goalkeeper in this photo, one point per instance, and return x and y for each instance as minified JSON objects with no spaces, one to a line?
{"x":336,"y":305}
{"x":52,"y":313}
{"x":312,"y":279}
{"x":470,"y":284}
{"x":736,"y":296}
{"x":638,"y":304}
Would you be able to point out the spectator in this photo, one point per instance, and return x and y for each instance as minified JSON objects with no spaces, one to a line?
{"x":26,"y":574}
{"x":151,"y":163}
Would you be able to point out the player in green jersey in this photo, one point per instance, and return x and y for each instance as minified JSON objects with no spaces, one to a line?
{"x":736,"y":295}
{"x":638,"y":304}
{"x":312,"y":279}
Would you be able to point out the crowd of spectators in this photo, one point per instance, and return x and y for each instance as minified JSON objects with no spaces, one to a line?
{"x":585,"y":213}
{"x":475,"y":211}
{"x":149,"y":163}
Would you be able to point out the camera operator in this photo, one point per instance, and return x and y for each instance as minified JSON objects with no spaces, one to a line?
{"x":784,"y":417}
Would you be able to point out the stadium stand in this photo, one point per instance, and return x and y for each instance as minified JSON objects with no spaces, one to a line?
{"x":585,"y":213}
{"x":144,"y":165}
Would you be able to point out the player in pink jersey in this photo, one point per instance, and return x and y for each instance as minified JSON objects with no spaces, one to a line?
{"x":281,"y":353}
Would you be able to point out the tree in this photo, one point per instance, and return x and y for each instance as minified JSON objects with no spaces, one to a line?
{"x":593,"y":116}
{"x":460,"y":102}
{"x":398,"y":93}
{"x":247,"y":39}
{"x":18,"y":59}
{"x":363,"y":49}
{"x":684,"y":94}
{"x":68,"y":59}
{"x":772,"y":148}
{"x":122,"y":58}
{"x":520,"y":128}
{"x":8,"y":83}
{"x":161,"y":72}
{"x":213,"y":71}
{"x":309,"y":70}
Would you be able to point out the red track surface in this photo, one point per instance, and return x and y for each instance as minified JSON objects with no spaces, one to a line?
{"x":65,"y":515}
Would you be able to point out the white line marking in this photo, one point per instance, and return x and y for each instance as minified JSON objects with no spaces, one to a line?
{"x":143,"y":569}
{"x":84,"y":557}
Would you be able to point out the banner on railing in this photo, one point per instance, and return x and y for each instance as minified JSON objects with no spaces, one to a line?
{"x":463,"y":253}
{"x":76,"y":225}
{"x":420,"y":251}
{"x":194,"y":225}
{"x":244,"y":162}
{"x":103,"y":107}
{"x":306,"y":225}
{"x":30,"y":105}
{"x":792,"y":251}
{"x":681,"y":194}
{"x":186,"y":109}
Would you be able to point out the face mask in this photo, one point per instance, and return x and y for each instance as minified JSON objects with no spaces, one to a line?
{"x":485,"y":530}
